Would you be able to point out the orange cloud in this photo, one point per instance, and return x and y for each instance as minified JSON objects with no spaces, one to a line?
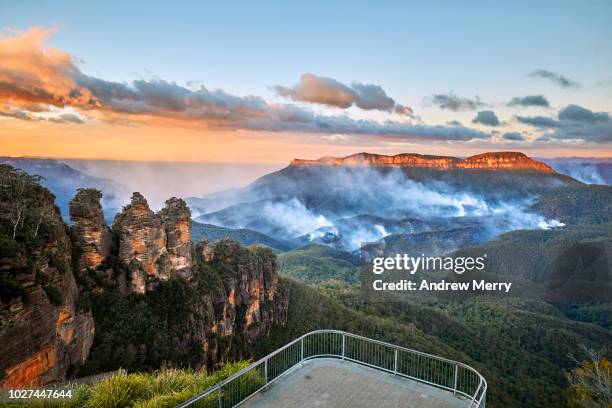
{"x":330,"y":92}
{"x":33,"y":77}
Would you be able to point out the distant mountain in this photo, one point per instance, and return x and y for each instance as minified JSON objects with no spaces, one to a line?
{"x":213,"y":233}
{"x":486,"y":161}
{"x":63,"y":181}
{"x":343,"y":202}
{"x":569,"y":263}
{"x":587,"y":170}
{"x":583,"y":204}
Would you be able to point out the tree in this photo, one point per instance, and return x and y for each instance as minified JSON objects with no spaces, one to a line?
{"x":15,"y":195}
{"x":590,"y":383}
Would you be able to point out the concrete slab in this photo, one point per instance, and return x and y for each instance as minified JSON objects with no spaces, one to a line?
{"x":332,"y":383}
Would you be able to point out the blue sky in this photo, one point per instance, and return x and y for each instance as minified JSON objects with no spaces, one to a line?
{"x":413,"y":50}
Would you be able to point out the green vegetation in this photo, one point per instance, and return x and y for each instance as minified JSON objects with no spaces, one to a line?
{"x":246,"y":237}
{"x":158,"y":389}
{"x":27,"y":222}
{"x":547,"y":254}
{"x":586,"y":204}
{"x":599,"y":313}
{"x":315,"y":263}
{"x":140,"y":332}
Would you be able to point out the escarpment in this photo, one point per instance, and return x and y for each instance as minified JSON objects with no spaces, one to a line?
{"x":187,"y":305}
{"x":486,"y":161}
{"x":44,"y":331}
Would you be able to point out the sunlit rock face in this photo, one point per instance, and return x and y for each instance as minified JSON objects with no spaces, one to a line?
{"x":504,"y":161}
{"x":176,"y":220}
{"x":244,"y":298}
{"x":43,"y":332}
{"x":142,"y":243}
{"x":485,"y":161}
{"x":89,"y":231}
{"x":154,"y":246}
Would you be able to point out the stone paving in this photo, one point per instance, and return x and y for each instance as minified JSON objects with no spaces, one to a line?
{"x":329,"y":383}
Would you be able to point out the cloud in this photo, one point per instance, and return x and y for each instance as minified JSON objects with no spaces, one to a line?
{"x":330,"y":92}
{"x":32,"y":75}
{"x":454,"y":103}
{"x":487,"y":118}
{"x":67,"y":118}
{"x":16,"y":113}
{"x":453,"y":123}
{"x":35,"y":78}
{"x":555,"y":77}
{"x":538,"y":121}
{"x":580,"y":114}
{"x":513,"y":136}
{"x":530,"y":100}
{"x":574,"y":123}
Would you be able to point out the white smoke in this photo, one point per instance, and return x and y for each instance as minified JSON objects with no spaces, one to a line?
{"x":293,"y":217}
{"x":392,"y":195}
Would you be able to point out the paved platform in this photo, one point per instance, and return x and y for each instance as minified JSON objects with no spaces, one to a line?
{"x":332,"y":383}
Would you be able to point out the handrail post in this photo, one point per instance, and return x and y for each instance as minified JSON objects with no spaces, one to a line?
{"x":266,"y":372}
{"x":343,"y":344}
{"x":302,"y":350}
{"x":456,"y":376}
{"x":395,"y":361}
{"x":475,"y":395}
{"x":219,"y":400}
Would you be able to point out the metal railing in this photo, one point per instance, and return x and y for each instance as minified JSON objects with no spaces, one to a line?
{"x":458,"y":378}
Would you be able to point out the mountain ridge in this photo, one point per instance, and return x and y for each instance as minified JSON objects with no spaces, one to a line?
{"x":483,"y":161}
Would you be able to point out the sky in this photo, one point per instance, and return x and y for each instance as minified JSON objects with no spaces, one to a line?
{"x":265,"y":82}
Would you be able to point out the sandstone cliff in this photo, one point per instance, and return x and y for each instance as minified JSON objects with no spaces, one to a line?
{"x":176,"y":220}
{"x":201,"y":306}
{"x":89,"y":232}
{"x":154,"y":246}
{"x":243,"y":301}
{"x":209,"y":302}
{"x":485,"y":161}
{"x":43,"y":331}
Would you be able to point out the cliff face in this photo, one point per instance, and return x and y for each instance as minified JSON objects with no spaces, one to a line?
{"x":226,"y":295}
{"x":504,"y":161}
{"x":142,"y":243}
{"x":243,"y":301}
{"x":212,"y":303}
{"x":89,"y":231}
{"x":176,"y":221}
{"x":154,"y":246}
{"x":485,"y":161}
{"x":42,"y":330}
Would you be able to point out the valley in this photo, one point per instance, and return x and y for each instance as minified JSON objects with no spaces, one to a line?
{"x":149,"y":287}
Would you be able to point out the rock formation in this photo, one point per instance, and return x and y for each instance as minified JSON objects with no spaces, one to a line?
{"x":504,"y":161}
{"x":154,"y":246}
{"x":485,"y":161}
{"x":245,"y":301}
{"x":176,"y":220}
{"x":233,"y":291}
{"x":90,"y":232}
{"x":43,"y":331}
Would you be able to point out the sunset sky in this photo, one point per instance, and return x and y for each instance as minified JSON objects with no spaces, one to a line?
{"x":265,"y":82}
